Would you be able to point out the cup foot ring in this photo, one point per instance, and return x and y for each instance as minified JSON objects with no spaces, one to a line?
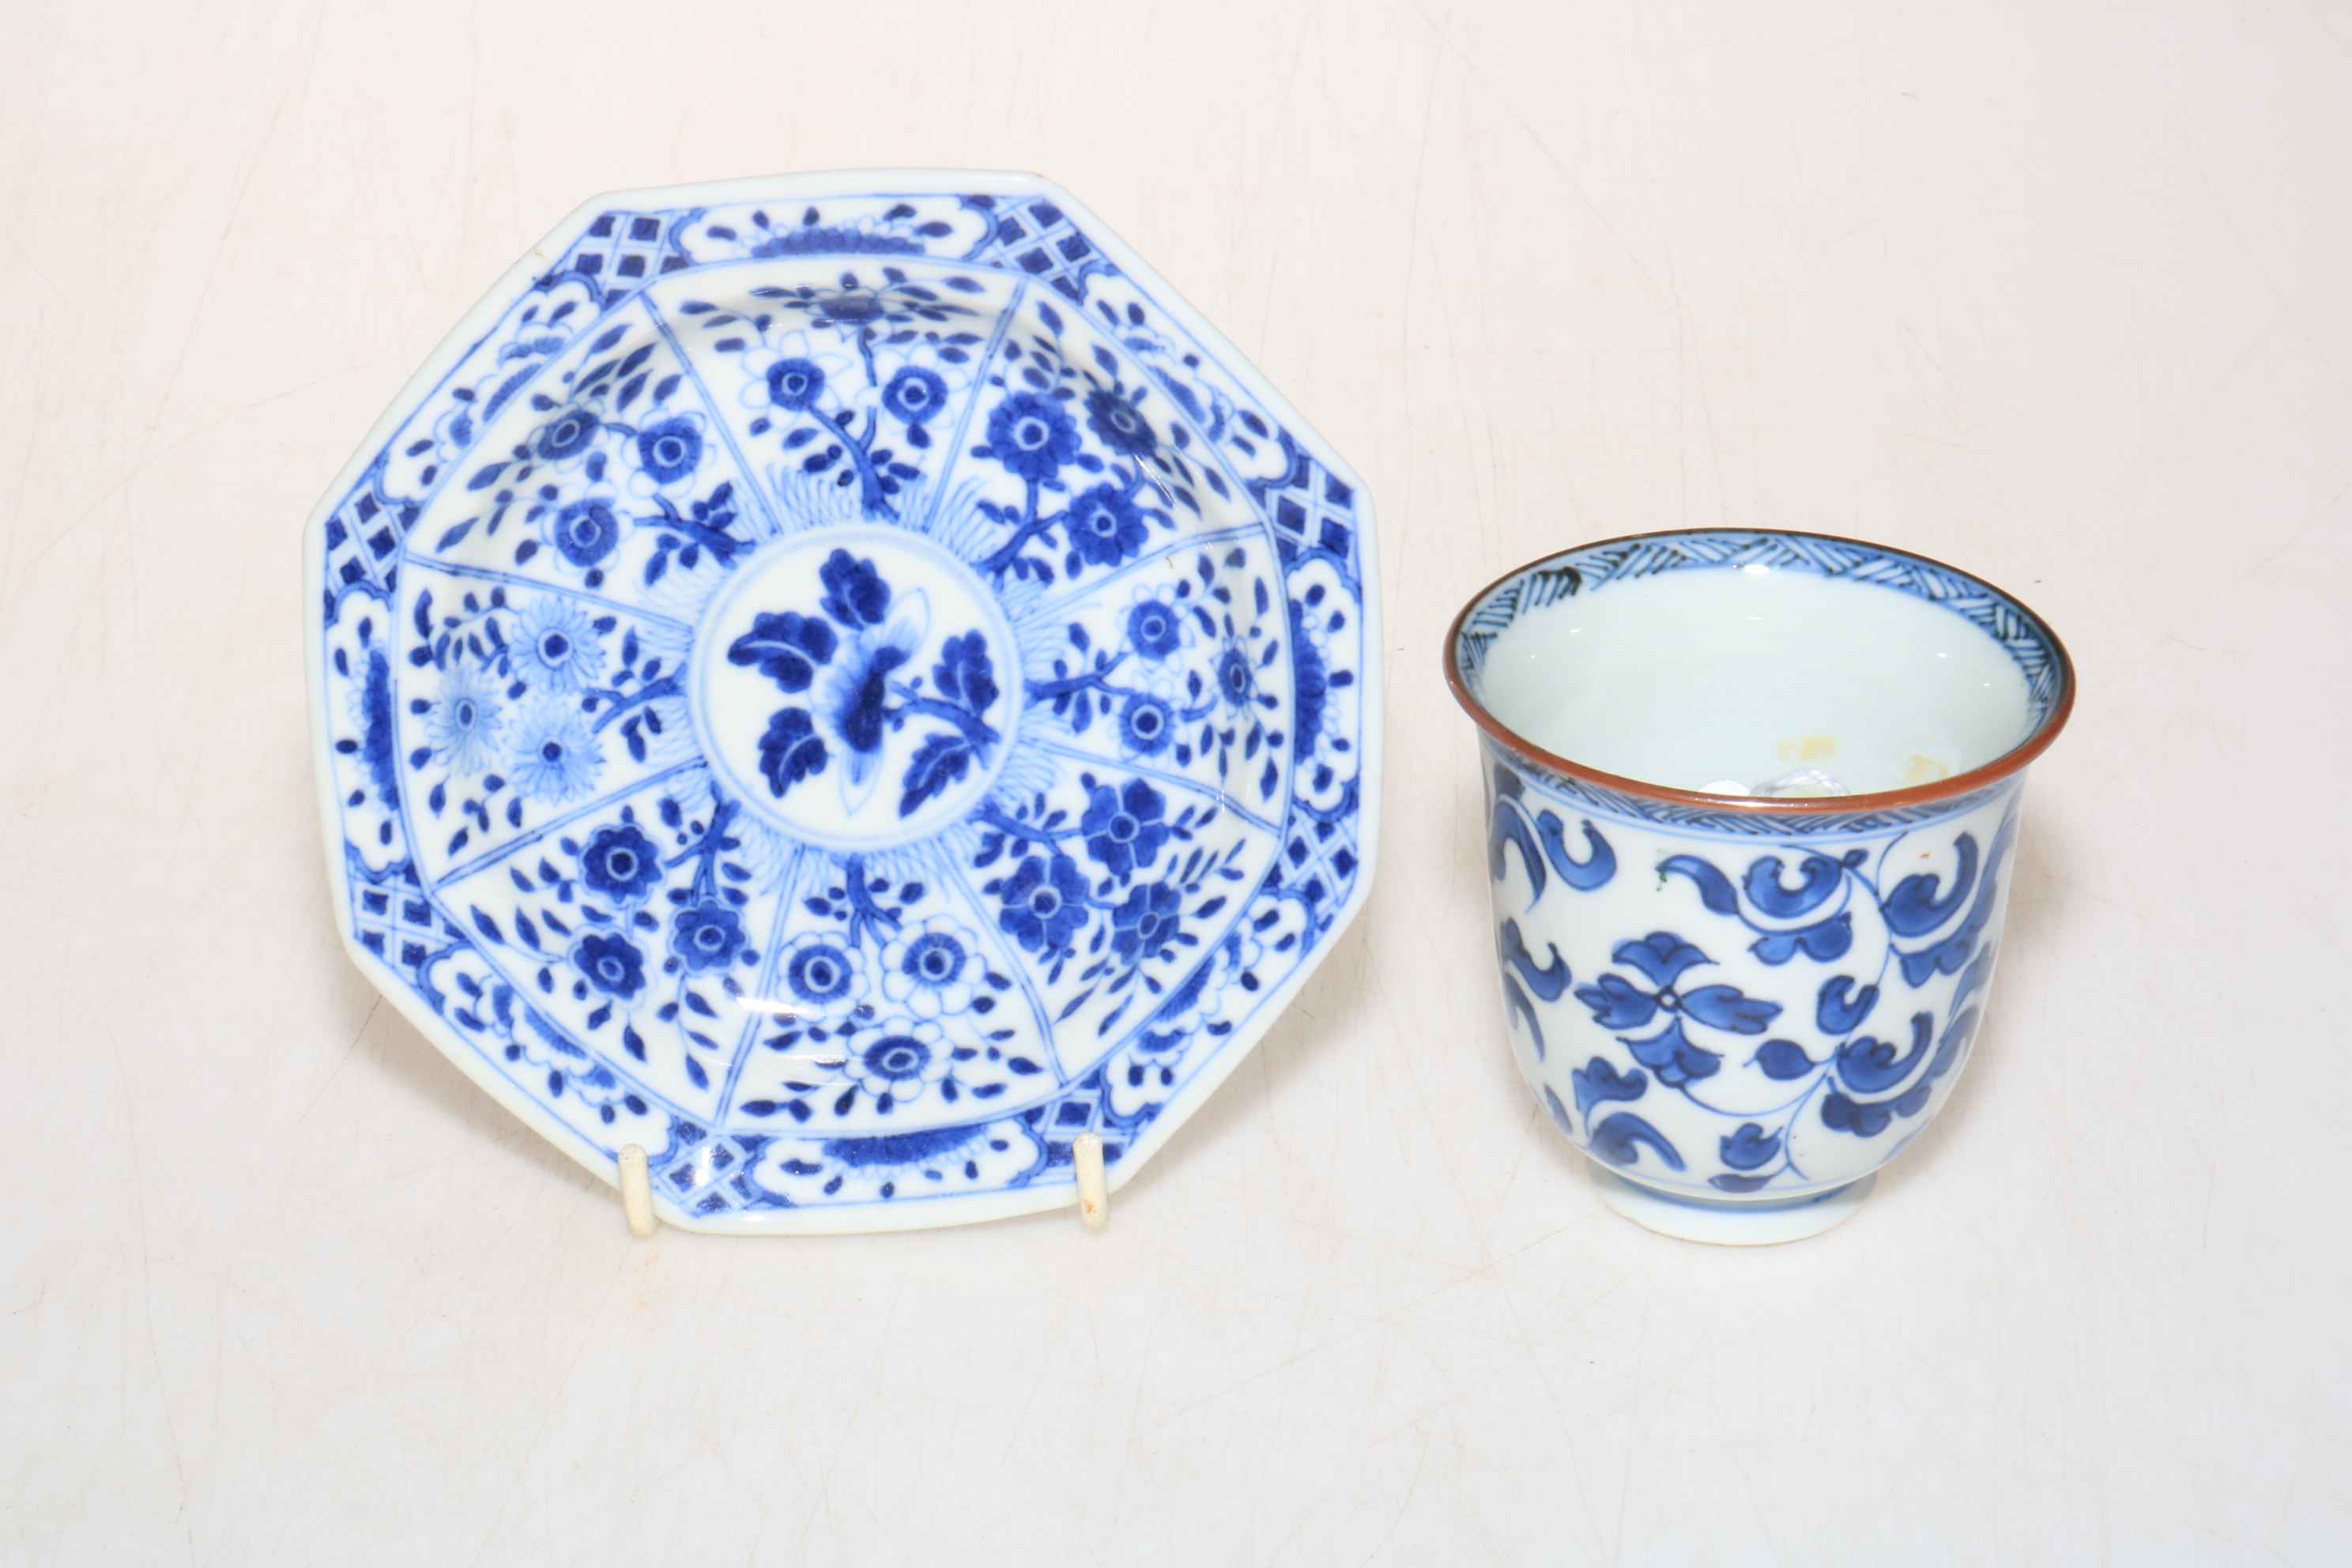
{"x":1729,"y":1224}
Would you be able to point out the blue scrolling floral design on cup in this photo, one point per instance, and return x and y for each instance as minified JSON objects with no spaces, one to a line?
{"x":1744,"y":1004}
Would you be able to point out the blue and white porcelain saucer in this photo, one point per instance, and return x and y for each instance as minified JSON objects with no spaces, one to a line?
{"x":847,"y":684}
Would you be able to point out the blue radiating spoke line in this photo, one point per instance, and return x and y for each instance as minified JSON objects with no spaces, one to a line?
{"x":1055,"y":606}
{"x":489,"y":857}
{"x":972,"y":405}
{"x":1193,"y":786}
{"x":1014,"y":961}
{"x":749,"y":1038}
{"x":743,"y":470}
{"x":516,"y":580}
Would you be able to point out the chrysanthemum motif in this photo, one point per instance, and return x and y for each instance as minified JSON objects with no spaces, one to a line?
{"x":464,"y":724}
{"x":931,"y":969}
{"x":556,"y":649}
{"x":554,"y":758}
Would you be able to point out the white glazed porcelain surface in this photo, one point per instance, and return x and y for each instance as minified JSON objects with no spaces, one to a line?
{"x":1693,"y":677}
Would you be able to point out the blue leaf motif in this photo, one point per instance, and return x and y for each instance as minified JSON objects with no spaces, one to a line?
{"x":855,"y":593}
{"x":1841,"y":1008}
{"x":787,"y":648}
{"x":1621,"y":1135}
{"x":1914,"y":910}
{"x":1714,"y":886}
{"x":1748,"y":1148}
{"x":1510,"y":831}
{"x":1869,"y":1064}
{"x":1662,"y":955}
{"x":1596,"y":1081}
{"x":1546,"y":979}
{"x":937,"y":763}
{"x":1558,"y":1112}
{"x":1674,"y":1058}
{"x":1827,"y":941}
{"x":1816,"y":879}
{"x":1515,"y":1000}
{"x":1600,"y":862}
{"x":1731,"y":1183}
{"x":1783,"y":1059}
{"x":965,"y":674}
{"x":790,"y":750}
{"x":1840,"y":1114}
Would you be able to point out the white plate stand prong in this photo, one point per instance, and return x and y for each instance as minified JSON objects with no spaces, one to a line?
{"x":1093,"y":1189}
{"x":636,"y":1192}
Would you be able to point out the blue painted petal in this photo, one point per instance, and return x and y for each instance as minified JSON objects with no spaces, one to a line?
{"x":1558,"y":1112}
{"x":1749,"y":1148}
{"x":1620,"y":1135}
{"x":1662,"y":955}
{"x":1816,"y":879}
{"x":1736,"y":1183}
{"x":1616,"y":1005}
{"x":1714,"y":886}
{"x":1673,"y":1057}
{"x":1596,"y":1081}
{"x":1783,"y":1059}
{"x":1725,"y":1008}
{"x":1841,"y":1008}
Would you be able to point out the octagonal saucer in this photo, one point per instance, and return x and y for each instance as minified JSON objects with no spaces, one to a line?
{"x":845,"y":683}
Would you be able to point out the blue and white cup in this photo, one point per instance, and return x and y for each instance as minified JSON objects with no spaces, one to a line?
{"x":1752,"y":805}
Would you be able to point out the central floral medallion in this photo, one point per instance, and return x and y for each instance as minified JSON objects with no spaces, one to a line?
{"x":857,"y":687}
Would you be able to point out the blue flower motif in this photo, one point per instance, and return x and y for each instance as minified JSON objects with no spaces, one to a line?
{"x":1030,"y":434}
{"x":1125,"y":829}
{"x":903,"y":1059}
{"x":555,"y":757}
{"x":1153,"y":629}
{"x":915,"y":394}
{"x":1105,"y":526}
{"x":796,"y":383}
{"x":670,"y":449}
{"x":706,"y":935}
{"x":1617,"y":1004}
{"x":823,"y":973}
{"x":787,"y":648}
{"x":855,"y":593}
{"x":586,"y":532}
{"x":565,"y":436}
{"x":1146,"y":725}
{"x":1044,"y":903}
{"x":1148,"y":923}
{"x":1236,"y":682}
{"x":557,"y":649}
{"x":620,"y":863}
{"x":1115,"y":421}
{"x":463,"y":723}
{"x":931,"y":970}
{"x":612,"y":963}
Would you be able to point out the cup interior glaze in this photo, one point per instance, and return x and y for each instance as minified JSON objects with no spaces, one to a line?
{"x":1751,"y":811}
